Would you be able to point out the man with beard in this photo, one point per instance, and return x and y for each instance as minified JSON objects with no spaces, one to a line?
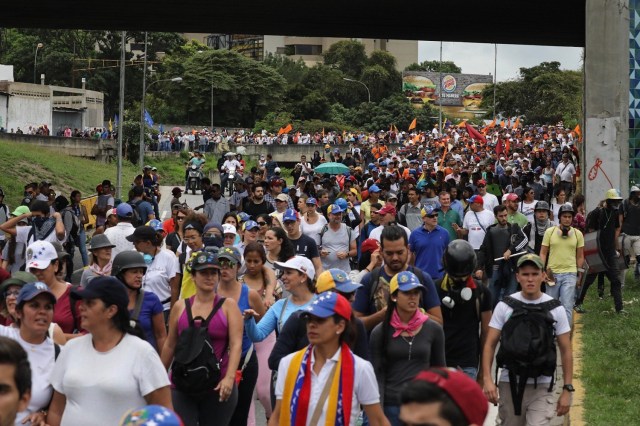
{"x":370,"y":304}
{"x":216,"y":206}
{"x":44,"y":226}
{"x":631,"y":226}
{"x":257,"y":205}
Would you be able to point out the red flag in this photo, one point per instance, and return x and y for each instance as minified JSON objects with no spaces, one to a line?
{"x":507,"y":147}
{"x":474,"y":133}
{"x":499,"y":147}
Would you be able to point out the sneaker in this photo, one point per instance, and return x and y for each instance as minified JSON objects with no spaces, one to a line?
{"x":579,"y":309}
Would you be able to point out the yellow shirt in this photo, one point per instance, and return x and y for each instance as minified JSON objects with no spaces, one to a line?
{"x":562,"y":250}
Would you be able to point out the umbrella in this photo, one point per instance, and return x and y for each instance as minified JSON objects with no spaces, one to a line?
{"x":176,"y":129}
{"x":331,"y":168}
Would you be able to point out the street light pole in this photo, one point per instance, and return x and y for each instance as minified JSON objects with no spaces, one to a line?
{"x":35,"y":61}
{"x":142,"y":108}
{"x":121,"y":115}
{"x":358,"y":81}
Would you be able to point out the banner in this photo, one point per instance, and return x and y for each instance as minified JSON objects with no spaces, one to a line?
{"x":147,"y":118}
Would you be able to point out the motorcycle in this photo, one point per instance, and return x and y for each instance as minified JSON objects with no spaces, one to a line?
{"x":195,"y":178}
{"x":231,"y":177}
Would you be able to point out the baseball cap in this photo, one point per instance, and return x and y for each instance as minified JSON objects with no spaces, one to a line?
{"x":276,"y":170}
{"x":512,"y":196}
{"x":204,"y":260}
{"x":40,"y":254}
{"x":229,"y":253}
{"x":31,"y":290}
{"x":289,"y":214}
{"x":228,"y":228}
{"x":387,"y":209}
{"x":335,"y":279}
{"x":530,"y":258}
{"x":404,"y":281}
{"x":374,"y":188}
{"x":282,"y":197}
{"x":155,"y":224}
{"x":299,"y":263}
{"x":20,"y":210}
{"x":369,"y":245}
{"x":142,"y":233}
{"x":327,"y":304}
{"x":124,"y":210}
{"x":476,"y":199}
{"x":464,"y":392}
{"x":19,"y":278}
{"x":427,"y":210}
{"x":112,"y":212}
{"x":108,"y":289}
{"x":151,"y":415}
{"x":249,"y":225}
{"x":392,"y":196}
{"x":311,"y":201}
{"x":334,"y":209}
{"x":482,"y":182}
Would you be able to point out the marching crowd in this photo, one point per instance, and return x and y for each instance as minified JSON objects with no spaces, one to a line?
{"x":375,"y":292}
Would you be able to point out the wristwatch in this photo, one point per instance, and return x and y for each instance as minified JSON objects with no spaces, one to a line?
{"x":569,"y":387}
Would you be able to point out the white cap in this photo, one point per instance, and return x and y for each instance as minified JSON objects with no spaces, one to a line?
{"x":228,"y":228}
{"x":276,"y":170}
{"x":299,"y":263}
{"x":40,"y":254}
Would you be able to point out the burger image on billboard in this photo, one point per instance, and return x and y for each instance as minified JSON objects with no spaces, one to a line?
{"x":472,"y":95}
{"x":420,"y":86}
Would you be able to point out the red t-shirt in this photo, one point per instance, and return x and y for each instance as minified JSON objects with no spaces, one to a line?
{"x":62,"y":314}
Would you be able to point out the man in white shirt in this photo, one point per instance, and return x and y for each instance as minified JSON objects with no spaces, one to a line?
{"x":387,"y":216}
{"x":118,"y":234}
{"x":490,"y":201}
{"x":566,"y":174}
{"x":476,"y":221}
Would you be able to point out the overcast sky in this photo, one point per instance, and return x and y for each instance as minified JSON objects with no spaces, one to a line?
{"x":478,"y":58}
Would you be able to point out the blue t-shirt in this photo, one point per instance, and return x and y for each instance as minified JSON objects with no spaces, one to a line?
{"x":244,"y":304}
{"x":364,"y":303}
{"x":150,"y":306}
{"x":144,"y":210}
{"x":428,"y":248}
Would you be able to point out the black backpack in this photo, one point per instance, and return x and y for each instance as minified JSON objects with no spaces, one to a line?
{"x":527,"y":345}
{"x":196,"y":367}
{"x":137,"y":217}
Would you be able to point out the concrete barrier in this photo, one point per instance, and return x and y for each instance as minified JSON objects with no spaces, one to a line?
{"x":292,"y":153}
{"x":103,"y":150}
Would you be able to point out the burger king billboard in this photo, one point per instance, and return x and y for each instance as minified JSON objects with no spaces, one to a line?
{"x":459,"y":94}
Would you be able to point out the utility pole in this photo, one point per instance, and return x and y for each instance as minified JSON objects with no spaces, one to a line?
{"x":121,"y":115}
{"x":142,"y":106}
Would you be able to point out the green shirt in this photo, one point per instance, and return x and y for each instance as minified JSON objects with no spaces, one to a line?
{"x":518,"y":218}
{"x":446,"y":220}
{"x":494,"y":188}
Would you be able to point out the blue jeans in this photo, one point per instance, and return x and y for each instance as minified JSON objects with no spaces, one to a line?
{"x":565,"y":291}
{"x":392,"y":413}
{"x":82,"y":246}
{"x":472,"y":372}
{"x":499,"y":290}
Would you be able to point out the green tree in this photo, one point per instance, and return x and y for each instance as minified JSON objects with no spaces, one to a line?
{"x":394,"y":110}
{"x":348,"y":56}
{"x":435,"y":66}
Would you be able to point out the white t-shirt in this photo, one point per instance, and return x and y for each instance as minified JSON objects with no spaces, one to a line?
{"x":502,"y":312}
{"x":477,"y":224}
{"x":527,"y":209}
{"x":117,"y":235}
{"x":42,"y":359}
{"x":365,"y":385}
{"x":163,"y":268}
{"x":377,"y":232}
{"x":22,"y":235}
{"x":100,"y":387}
{"x":313,"y":231}
{"x":490,"y":201}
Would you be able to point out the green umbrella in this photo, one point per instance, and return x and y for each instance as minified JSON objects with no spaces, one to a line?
{"x":331,"y":168}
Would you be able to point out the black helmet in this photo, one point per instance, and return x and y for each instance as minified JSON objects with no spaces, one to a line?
{"x":566,"y":208}
{"x":459,"y":259}
{"x":542,"y":205}
{"x":127,"y":260}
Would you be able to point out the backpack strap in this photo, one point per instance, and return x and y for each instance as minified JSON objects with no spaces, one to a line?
{"x":205,"y":323}
{"x":136,"y":310}
{"x":374,"y":280}
{"x":512,"y":303}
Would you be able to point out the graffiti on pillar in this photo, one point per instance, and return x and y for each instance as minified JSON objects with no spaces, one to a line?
{"x":597,"y":167}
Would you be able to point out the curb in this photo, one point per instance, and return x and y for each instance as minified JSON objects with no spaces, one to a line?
{"x":576,"y":415}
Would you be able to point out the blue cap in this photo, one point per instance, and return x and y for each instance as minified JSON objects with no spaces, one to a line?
{"x":371,"y":166}
{"x":335,"y":279}
{"x":289,"y":214}
{"x":229,"y":253}
{"x":374,"y":188}
{"x":31,"y":290}
{"x":124,"y":210}
{"x":382,"y":163}
{"x":404,"y":281}
{"x":327,"y":304}
{"x":250,"y":224}
{"x":334,"y":209}
{"x":285,"y":190}
{"x":342,"y":203}
{"x":155,"y":224}
{"x":427,"y":210}
{"x":243,"y":217}
{"x":312,"y":200}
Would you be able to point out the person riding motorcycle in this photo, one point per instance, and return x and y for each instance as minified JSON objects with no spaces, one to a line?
{"x":231,"y":168}
{"x":197,"y":160}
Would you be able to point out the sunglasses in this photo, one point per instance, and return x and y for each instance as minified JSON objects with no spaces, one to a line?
{"x":262,"y":223}
{"x":180,"y":217}
{"x":432,"y":216}
{"x":227,"y":264}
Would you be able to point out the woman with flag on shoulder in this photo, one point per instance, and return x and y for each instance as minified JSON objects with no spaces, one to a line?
{"x":326,"y":371}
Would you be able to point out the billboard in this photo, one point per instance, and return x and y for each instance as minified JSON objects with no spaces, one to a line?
{"x":459,"y":94}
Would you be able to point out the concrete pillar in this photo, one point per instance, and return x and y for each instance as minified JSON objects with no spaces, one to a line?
{"x":606,"y":99}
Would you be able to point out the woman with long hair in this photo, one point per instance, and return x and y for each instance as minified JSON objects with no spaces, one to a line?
{"x":405,"y":343}
{"x":264,"y":222}
{"x":144,"y":306}
{"x":100,"y":248}
{"x":43,"y":262}
{"x":230,"y":259}
{"x":263,"y":280}
{"x":346,"y":382}
{"x":231,"y":218}
{"x":278,"y":246}
{"x":561,"y":198}
{"x":225,"y":332}
{"x":312,"y":222}
{"x":192,"y":241}
{"x":174,"y":239}
{"x":83,"y":378}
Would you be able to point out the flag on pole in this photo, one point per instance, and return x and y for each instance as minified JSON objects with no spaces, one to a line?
{"x":517,"y":123}
{"x":502,"y":124}
{"x":462,"y":124}
{"x":474,"y":133}
{"x":147,"y":118}
{"x":499,"y":147}
{"x":507,"y":147}
{"x":110,"y":126}
{"x":413,"y":124}
{"x":578,"y":132}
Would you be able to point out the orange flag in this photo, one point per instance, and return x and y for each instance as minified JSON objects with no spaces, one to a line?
{"x":507,"y":147}
{"x":517,"y":123}
{"x":462,"y":124}
{"x":413,"y":124}
{"x":578,"y":132}
{"x":502,"y":124}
